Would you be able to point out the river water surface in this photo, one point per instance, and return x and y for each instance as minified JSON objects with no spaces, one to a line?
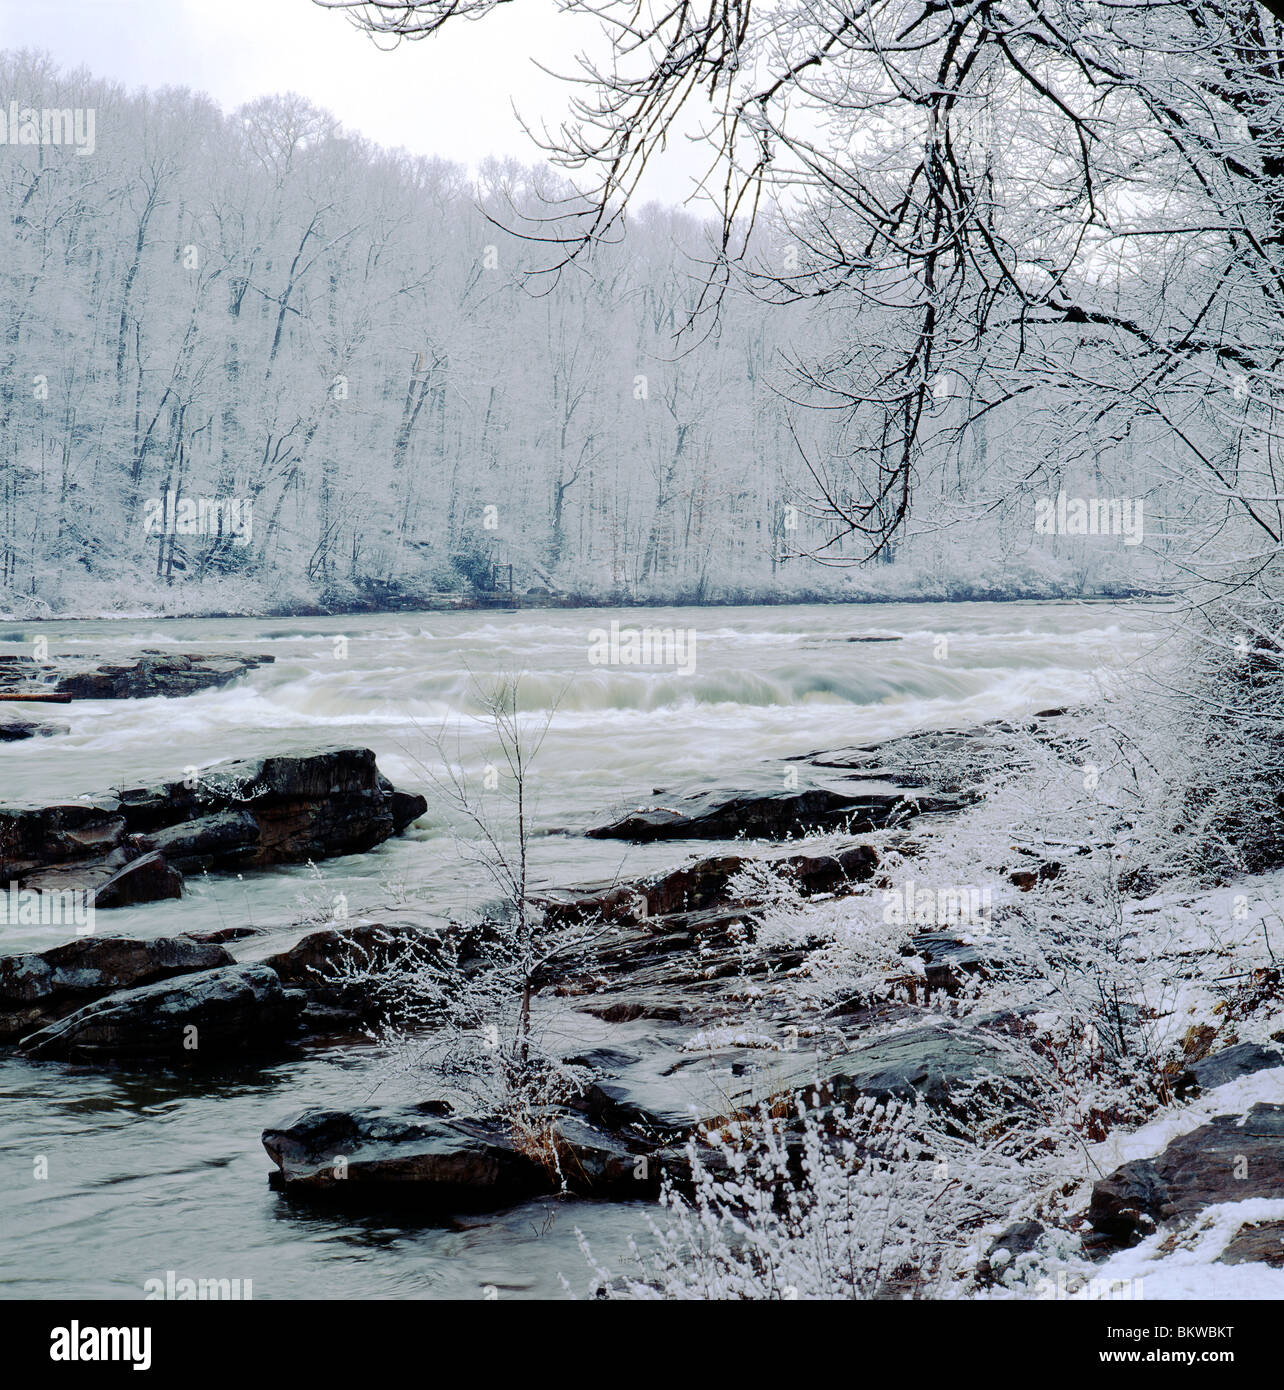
{"x":151,"y":1171}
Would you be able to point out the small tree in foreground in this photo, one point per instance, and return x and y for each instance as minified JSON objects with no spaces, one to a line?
{"x":461,"y":1009}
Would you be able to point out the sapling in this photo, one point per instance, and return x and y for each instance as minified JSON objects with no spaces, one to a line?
{"x":463,"y":1008}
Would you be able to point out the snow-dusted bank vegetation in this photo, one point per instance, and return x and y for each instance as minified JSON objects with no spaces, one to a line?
{"x":1128,"y":961}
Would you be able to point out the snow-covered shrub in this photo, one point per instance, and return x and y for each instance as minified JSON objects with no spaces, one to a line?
{"x":874,"y":1200}
{"x":1209,"y":744}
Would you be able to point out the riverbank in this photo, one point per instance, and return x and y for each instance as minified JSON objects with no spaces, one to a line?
{"x":127,"y":1138}
{"x":897,"y":589}
{"x":822,"y":969}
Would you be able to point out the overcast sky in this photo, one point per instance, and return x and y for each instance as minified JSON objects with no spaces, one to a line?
{"x":451,"y":96}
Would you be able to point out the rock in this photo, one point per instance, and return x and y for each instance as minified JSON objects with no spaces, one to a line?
{"x":306,"y":806}
{"x":39,"y":987}
{"x":1262,"y":1243}
{"x":610,"y":901}
{"x":1195,"y":1171}
{"x":705,"y":883}
{"x":668,"y":1097}
{"x":1028,"y":879}
{"x":34,"y":836}
{"x":1228,"y":1065}
{"x":222,"y":840}
{"x":15,"y":726}
{"x":933,"y":1062}
{"x":1127,"y":1206}
{"x":146,"y":879}
{"x":415,"y":1155}
{"x":1018,"y":1239}
{"x":149,"y":674}
{"x":948,"y":960}
{"x":124,"y":878}
{"x":406,"y":807}
{"x":196,"y":1017}
{"x":760,"y":806}
{"x":251,"y":813}
{"x":222,"y":934}
{"x":314,"y":957}
{"x":856,"y":789}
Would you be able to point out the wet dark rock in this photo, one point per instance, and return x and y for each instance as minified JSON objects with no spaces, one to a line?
{"x":147,"y":879}
{"x":306,"y":806}
{"x":1231,"y":1159}
{"x":1228,"y":1065}
{"x":39,"y":987}
{"x":761,"y":805}
{"x":857,"y":789}
{"x":15,"y":726}
{"x":34,"y":836}
{"x":285,"y":809}
{"x":149,"y":674}
{"x":220,"y":840}
{"x":414,"y":1156}
{"x":406,"y":807}
{"x":195,"y":1017}
{"x":314,"y":960}
{"x":220,"y":935}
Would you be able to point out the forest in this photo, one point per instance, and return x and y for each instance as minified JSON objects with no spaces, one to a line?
{"x":367,"y":353}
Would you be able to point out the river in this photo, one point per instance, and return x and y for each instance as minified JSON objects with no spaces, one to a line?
{"x":151,"y":1171}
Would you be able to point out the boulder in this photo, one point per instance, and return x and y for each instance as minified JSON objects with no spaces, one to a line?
{"x":39,"y":987}
{"x":306,"y":806}
{"x":1228,"y":1065}
{"x":763,"y":806}
{"x":33,"y":836}
{"x":311,"y":959}
{"x":1231,"y":1159}
{"x":149,"y":674}
{"x":223,"y":839}
{"x":15,"y":726}
{"x":286,"y":809}
{"x":421,"y":1156}
{"x":196,"y":1017}
{"x":147,"y":879}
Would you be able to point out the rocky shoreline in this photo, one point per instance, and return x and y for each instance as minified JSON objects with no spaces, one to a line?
{"x":665,"y":984}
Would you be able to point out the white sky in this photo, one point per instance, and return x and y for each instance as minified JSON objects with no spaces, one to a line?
{"x":451,"y":96}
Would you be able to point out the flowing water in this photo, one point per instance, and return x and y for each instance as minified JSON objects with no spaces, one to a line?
{"x":151,"y":1171}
